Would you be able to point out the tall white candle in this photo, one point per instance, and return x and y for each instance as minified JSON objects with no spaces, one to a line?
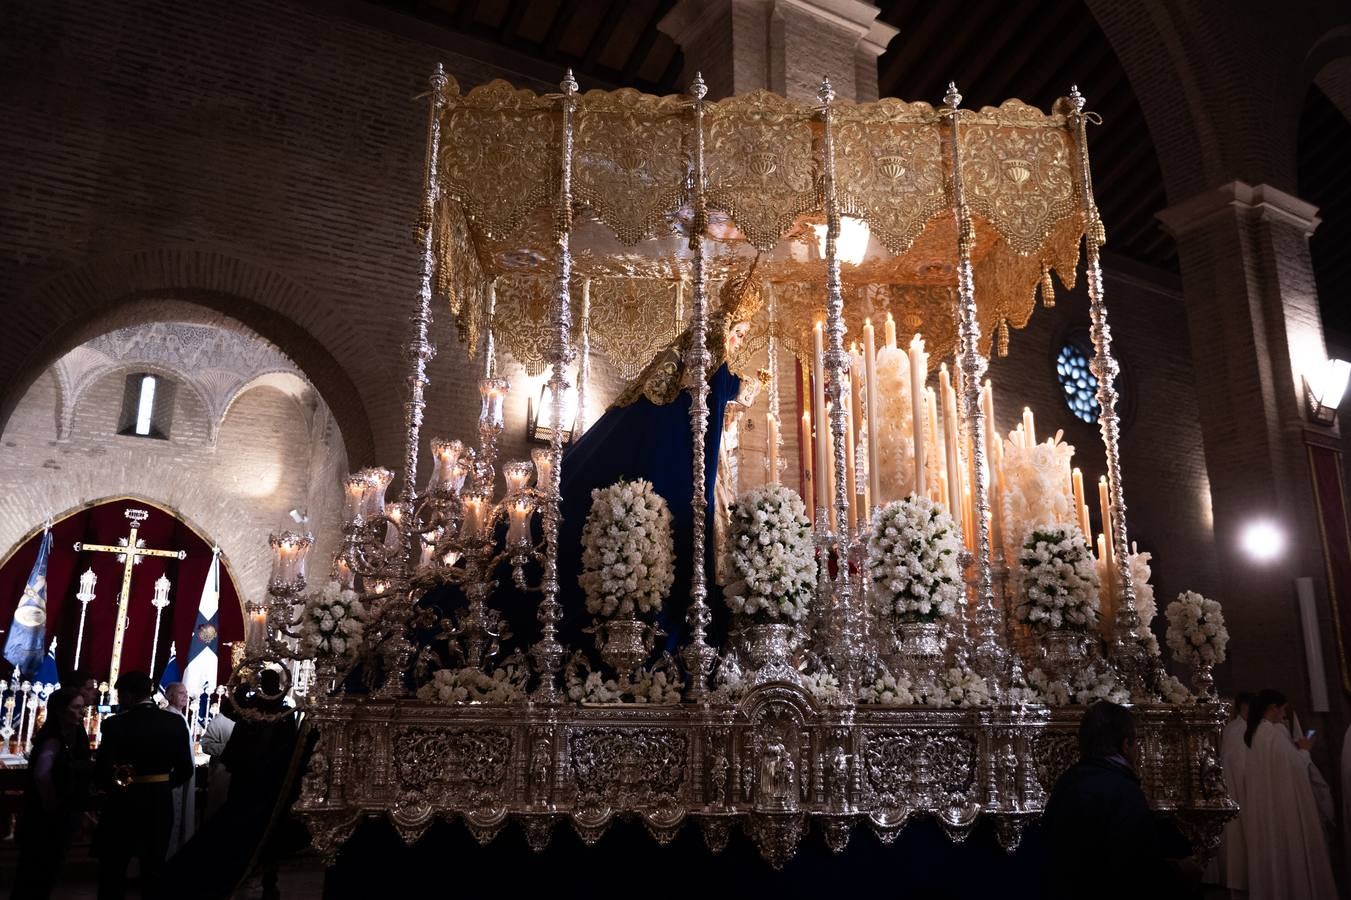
{"x":951,"y":454}
{"x":934,"y":436}
{"x":919,"y":370}
{"x":1109,"y":586}
{"x":1080,"y":507}
{"x":819,"y":418}
{"x":773,"y":449}
{"x":1030,"y":427}
{"x":889,"y":332}
{"x":850,"y":474}
{"x":870,"y":396}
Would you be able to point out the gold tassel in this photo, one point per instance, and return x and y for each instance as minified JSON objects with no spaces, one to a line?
{"x":1047,"y":288}
{"x":1002,"y":338}
{"x":1097,"y":230}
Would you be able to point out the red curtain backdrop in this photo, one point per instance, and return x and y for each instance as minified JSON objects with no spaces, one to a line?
{"x":1335,"y":524}
{"x":104,"y":524}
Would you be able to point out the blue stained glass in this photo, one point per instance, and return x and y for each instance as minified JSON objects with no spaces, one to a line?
{"x":1080,"y":384}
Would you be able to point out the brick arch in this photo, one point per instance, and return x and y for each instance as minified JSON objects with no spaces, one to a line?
{"x":1331,"y":50}
{"x":124,"y":290}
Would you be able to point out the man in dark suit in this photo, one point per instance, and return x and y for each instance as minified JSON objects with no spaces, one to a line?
{"x":1102,"y":839}
{"x":144,"y":755}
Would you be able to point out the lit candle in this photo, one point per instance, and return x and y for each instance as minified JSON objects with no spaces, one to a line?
{"x":1109,"y":588}
{"x":870,"y":396}
{"x":494,"y":394}
{"x":1029,"y":426}
{"x":934,"y":438}
{"x":519,"y":513}
{"x":446,"y":457}
{"x":354,"y":491}
{"x":919,"y":370}
{"x":1080,"y":507}
{"x":394,"y":512}
{"x":889,"y":331}
{"x":991,"y":459}
{"x":257,"y":639}
{"x":373,"y":500}
{"x":806,"y":454}
{"x":517,"y":475}
{"x":773,"y":448}
{"x":474,"y":507}
{"x":428,"y":554}
{"x":290,"y":551}
{"x":342,"y":573}
{"x":850,"y":475}
{"x":819,"y":417}
{"x":948,"y":398}
{"x":544,"y":466}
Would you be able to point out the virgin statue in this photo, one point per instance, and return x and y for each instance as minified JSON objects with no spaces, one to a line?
{"x":646,"y":434}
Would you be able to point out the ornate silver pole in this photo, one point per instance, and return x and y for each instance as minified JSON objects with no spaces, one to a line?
{"x":584,"y":367}
{"x":698,"y":654}
{"x":490,"y":341}
{"x":1126,"y":646}
{"x":989,"y":655}
{"x":837,"y":362}
{"x":419,"y":351}
{"x":547,"y":653}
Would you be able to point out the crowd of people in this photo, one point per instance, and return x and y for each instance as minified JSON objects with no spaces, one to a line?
{"x":142,"y":783}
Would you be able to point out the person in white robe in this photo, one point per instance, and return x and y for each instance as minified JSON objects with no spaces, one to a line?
{"x":185,"y":795}
{"x":1230,"y":866}
{"x":1283,"y":834}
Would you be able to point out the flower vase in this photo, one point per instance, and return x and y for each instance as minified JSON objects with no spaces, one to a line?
{"x":624,"y":643}
{"x":769,"y":648}
{"x":1063,"y":651}
{"x":1203,"y":680}
{"x":923,"y":649}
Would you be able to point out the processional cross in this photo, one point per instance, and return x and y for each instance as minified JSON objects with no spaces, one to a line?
{"x":129,"y":550}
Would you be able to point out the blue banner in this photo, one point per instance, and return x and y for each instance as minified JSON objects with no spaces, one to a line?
{"x":25,"y":644}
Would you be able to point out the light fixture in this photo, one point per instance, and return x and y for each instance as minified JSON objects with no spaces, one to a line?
{"x":1263,"y":540}
{"x":539,"y":424}
{"x":852,"y":245}
{"x":1325,"y":390}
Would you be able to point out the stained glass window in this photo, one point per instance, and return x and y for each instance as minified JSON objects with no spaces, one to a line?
{"x":1079,"y":384}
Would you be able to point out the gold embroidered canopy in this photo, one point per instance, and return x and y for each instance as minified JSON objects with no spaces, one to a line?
{"x":499,"y":169}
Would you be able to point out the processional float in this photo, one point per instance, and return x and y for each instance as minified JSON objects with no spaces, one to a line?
{"x":595,"y":223}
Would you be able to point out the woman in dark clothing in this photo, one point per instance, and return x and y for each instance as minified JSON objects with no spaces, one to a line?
{"x":59,"y":768}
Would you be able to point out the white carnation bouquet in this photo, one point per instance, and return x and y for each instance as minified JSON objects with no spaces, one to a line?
{"x":1196,"y":632}
{"x":1058,"y":580}
{"x":771,"y":558}
{"x":506,"y":684}
{"x":332,"y":623}
{"x":1088,"y":685}
{"x":659,"y":686}
{"x":955,"y":687}
{"x":913,"y":560}
{"x":627,"y":556}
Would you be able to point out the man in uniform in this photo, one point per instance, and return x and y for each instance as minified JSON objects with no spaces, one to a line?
{"x":144,"y":755}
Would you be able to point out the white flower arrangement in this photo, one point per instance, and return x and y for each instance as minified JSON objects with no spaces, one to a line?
{"x":1059,"y":586}
{"x":771,"y":557}
{"x":472,"y":685}
{"x":1145,"y":606}
{"x":730,"y":685}
{"x":654,"y":688}
{"x":1173,"y":691}
{"x":954,"y":688}
{"x":1196,"y":632}
{"x":628,"y":562}
{"x":1088,"y":685}
{"x":912,"y":562}
{"x":332,"y":623}
{"x":1036,"y":488}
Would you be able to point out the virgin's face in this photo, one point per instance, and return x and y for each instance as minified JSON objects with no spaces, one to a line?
{"x":736,"y":337}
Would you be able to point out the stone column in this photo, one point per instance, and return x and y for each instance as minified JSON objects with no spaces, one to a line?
{"x":785,"y":46}
{"x":1256,"y":334}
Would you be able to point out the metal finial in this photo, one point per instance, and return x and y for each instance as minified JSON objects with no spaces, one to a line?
{"x":569,"y":84}
{"x":827,"y":93}
{"x":698,"y":90}
{"x":438,"y":79}
{"x":952,"y":99}
{"x":1076,"y":98}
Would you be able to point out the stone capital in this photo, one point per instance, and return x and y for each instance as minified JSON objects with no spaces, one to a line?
{"x":1238,"y":198}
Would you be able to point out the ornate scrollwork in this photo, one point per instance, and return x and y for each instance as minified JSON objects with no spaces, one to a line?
{"x":1053,"y":752}
{"x":631,"y":769}
{"x":431,"y":762}
{"x":908,"y":770}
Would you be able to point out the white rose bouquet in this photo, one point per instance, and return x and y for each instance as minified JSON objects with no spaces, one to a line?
{"x":627,"y":555}
{"x":771,"y":558}
{"x":1058,"y":580}
{"x":1086,"y":686}
{"x":506,"y":684}
{"x":955,"y":687}
{"x":332,"y":623}
{"x":912,"y":560}
{"x":1196,"y":632}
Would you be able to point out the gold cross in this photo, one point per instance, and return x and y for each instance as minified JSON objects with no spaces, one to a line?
{"x":129,"y":553}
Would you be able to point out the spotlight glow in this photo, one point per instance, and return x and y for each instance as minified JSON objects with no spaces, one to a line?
{"x":1263,"y":540}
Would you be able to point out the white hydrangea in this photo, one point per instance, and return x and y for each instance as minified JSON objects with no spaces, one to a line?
{"x":332,"y":623}
{"x":1059,"y":586}
{"x":824,"y":686}
{"x":1174,"y":691}
{"x":1088,"y":685}
{"x":1036,"y":488}
{"x":912,"y":562}
{"x":1196,"y":632}
{"x":770,"y":556}
{"x":471,"y":685}
{"x":627,"y":555}
{"x":955,"y":687}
